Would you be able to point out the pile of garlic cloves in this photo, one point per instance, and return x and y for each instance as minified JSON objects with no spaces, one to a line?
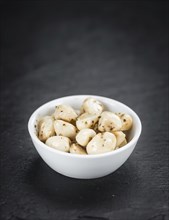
{"x":90,"y":130}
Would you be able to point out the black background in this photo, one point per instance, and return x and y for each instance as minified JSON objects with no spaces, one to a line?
{"x":117,"y":49}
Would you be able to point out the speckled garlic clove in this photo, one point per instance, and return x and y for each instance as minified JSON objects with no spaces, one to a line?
{"x":86,"y":121}
{"x":45,"y":128}
{"x":95,"y":128}
{"x":102,"y":143}
{"x":84,"y":136}
{"x":126,"y":120}
{"x":122,"y":144}
{"x":65,"y":129}
{"x":120,"y":137}
{"x":59,"y":142}
{"x":76,"y":149}
{"x":109,"y":122}
{"x":65,"y":112}
{"x":92,"y":106}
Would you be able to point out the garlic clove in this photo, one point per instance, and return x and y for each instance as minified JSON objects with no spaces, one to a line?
{"x":120,"y":137}
{"x":109,"y":122}
{"x":65,"y":112}
{"x":84,"y":136}
{"x":65,"y":129}
{"x":102,"y":143}
{"x":127,"y":122}
{"x":59,"y":142}
{"x":77,"y":149}
{"x":86,"y":120}
{"x":92,"y":106}
{"x":45,"y":128}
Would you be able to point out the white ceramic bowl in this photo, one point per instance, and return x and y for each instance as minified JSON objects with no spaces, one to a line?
{"x":84,"y":166}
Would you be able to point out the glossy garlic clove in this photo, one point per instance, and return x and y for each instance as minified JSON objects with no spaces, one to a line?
{"x":46,"y":128}
{"x":122,"y":144}
{"x":59,"y":142}
{"x":84,"y":136}
{"x":126,"y":120}
{"x":109,"y":122}
{"x":95,"y":128}
{"x":86,"y":120}
{"x":77,"y":149}
{"x":102,"y":143}
{"x":65,"y":112}
{"x":65,"y":129}
{"x":92,"y":106}
{"x":120,"y":137}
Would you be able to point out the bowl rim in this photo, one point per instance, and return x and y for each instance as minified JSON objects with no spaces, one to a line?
{"x":117,"y":151}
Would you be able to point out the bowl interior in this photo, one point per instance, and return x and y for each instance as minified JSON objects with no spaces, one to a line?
{"x":76,"y":102}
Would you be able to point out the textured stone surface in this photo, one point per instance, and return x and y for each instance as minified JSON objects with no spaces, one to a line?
{"x":113,"y":49}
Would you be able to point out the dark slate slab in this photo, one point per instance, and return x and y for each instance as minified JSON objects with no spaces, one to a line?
{"x":116,"y":49}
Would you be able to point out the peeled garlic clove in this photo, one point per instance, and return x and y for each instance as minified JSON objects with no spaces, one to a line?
{"x":92,"y":106}
{"x":95,"y":128}
{"x":78,"y":112}
{"x":65,"y":112}
{"x":109,"y":122}
{"x":46,"y":128}
{"x":122,"y":144}
{"x":127,"y":122}
{"x":120,"y":137}
{"x":65,"y":129}
{"x":84,"y":136}
{"x":76,"y":149}
{"x":102,"y":143}
{"x":86,"y":120}
{"x":59,"y":142}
